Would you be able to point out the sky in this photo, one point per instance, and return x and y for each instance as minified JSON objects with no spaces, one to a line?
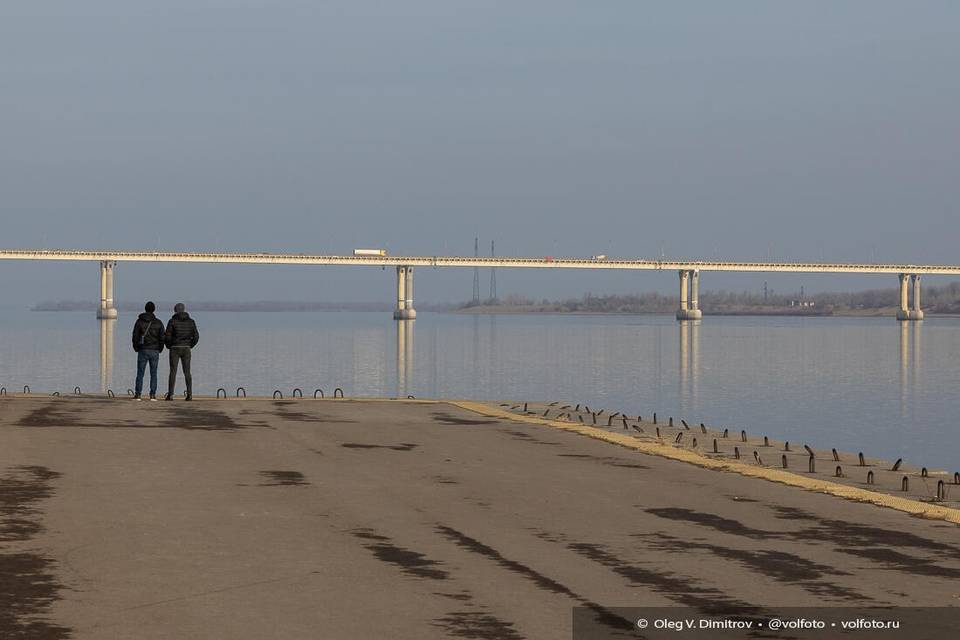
{"x":814,"y":130}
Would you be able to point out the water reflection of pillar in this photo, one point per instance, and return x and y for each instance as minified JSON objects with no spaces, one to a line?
{"x":904,"y":361}
{"x":694,"y":362}
{"x":106,"y":354}
{"x":689,"y":365}
{"x":917,"y":328}
{"x":404,"y":357}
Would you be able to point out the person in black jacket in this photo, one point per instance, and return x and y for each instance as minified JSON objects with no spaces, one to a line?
{"x":148,"y":339}
{"x":181,"y":337}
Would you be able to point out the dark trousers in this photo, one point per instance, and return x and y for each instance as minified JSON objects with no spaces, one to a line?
{"x":180,"y":355}
{"x":145,"y":357}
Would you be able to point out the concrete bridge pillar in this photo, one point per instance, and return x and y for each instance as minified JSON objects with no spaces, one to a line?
{"x":106,"y":309}
{"x":404,"y":310}
{"x":916,"y":313}
{"x":689,"y":305}
{"x":905,"y":312}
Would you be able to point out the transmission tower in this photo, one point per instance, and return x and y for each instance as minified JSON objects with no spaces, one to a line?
{"x":493,"y":274}
{"x":476,"y":272}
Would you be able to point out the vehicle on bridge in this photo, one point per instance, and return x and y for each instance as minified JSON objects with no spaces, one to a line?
{"x":370,"y":252}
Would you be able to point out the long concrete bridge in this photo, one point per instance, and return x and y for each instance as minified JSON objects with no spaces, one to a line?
{"x":688,"y":270}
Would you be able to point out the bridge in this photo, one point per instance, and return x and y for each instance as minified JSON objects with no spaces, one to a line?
{"x":688,"y":270}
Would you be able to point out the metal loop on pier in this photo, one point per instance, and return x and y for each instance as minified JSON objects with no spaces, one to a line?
{"x":896,"y":465}
{"x":869,"y":477}
{"x":956,"y":478}
{"x":239,"y":389}
{"x":3,"y":391}
{"x":905,"y":484}
{"x":184,"y":393}
{"x":129,"y":392}
{"x":223,"y":391}
{"x":297,"y":393}
{"x":278,"y":394}
{"x":863,"y":462}
{"x":941,"y":491}
{"x":836,"y":456}
{"x":783,"y":460}
{"x":743,"y":436}
{"x":839,"y":472}
{"x":703,"y":428}
{"x":924,"y":473}
{"x":726,"y":433}
{"x":55,"y":393}
{"x":316,"y":391}
{"x":409,"y":397}
{"x":26,"y":388}
{"x":76,"y":391}
{"x":110,"y":393}
{"x":340,"y":391}
{"x":736,"y":452}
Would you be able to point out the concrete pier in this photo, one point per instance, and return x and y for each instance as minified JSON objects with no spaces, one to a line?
{"x":906,"y":312}
{"x":340,"y":519}
{"x":106,"y":310}
{"x":689,"y":295}
{"x":404,"y":310}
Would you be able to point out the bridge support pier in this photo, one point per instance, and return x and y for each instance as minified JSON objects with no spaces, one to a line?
{"x":404,"y":310}
{"x":106,"y":309}
{"x":906,"y":312}
{"x":689,"y":304}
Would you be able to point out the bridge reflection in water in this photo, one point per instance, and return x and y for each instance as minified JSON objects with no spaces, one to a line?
{"x":106,"y":353}
{"x":404,"y":357}
{"x":909,"y":365}
{"x":689,"y":365}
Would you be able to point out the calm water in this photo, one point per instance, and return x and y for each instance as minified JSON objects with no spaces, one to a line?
{"x":876,"y":385}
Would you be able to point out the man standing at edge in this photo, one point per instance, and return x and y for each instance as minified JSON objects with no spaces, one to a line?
{"x":148,"y":339}
{"x":181,"y":337}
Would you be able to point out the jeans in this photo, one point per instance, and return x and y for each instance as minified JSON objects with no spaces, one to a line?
{"x":143,"y":357}
{"x":180,"y":355}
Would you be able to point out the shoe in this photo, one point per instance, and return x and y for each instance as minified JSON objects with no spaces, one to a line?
{"x":153,"y":398}
{"x":137,"y":397}
{"x":168,"y":397}
{"x":189,"y":397}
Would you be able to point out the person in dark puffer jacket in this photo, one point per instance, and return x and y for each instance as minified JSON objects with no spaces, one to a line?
{"x":148,"y":340}
{"x":181,"y":337}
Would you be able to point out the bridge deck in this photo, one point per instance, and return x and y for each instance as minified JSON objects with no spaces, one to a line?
{"x":500,"y":262}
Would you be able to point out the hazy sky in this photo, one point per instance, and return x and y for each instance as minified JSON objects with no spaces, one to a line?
{"x":807,"y":130}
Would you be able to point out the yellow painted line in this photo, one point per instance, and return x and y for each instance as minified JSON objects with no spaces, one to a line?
{"x":906,"y":505}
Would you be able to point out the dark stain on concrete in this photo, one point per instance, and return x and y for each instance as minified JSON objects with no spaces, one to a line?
{"x":410,"y":562}
{"x":283,"y":479}
{"x":680,"y":589}
{"x":603,"y":615}
{"x":444,"y":480}
{"x":526,"y":437}
{"x":719,"y":523}
{"x":446,"y":418}
{"x":154,"y":417}
{"x":778,"y":565}
{"x":285,"y":412}
{"x":403,"y":446}
{"x":902,"y":562}
{"x":874,"y":543}
{"x":463,"y":596}
{"x":29,"y":585}
{"x":612,"y":461}
{"x":476,"y":624}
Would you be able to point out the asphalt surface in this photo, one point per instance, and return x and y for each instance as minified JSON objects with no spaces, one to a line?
{"x":339,"y":519}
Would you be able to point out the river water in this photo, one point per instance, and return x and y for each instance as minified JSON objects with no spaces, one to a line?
{"x":875,"y":385}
